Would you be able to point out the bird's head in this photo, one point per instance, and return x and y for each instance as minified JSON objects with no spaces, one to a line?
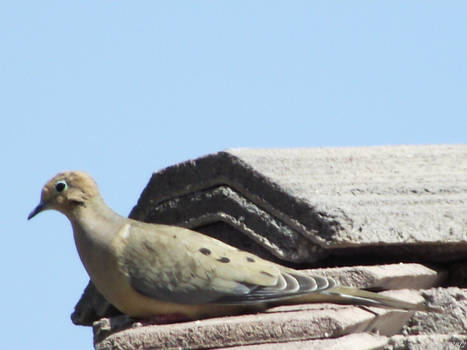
{"x":66,"y":191}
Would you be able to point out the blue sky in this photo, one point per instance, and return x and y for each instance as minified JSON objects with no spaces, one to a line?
{"x":121,"y":89}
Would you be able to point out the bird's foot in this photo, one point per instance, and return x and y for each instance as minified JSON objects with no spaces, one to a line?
{"x":164,"y":319}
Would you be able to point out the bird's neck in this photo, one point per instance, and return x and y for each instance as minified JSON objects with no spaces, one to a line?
{"x":95,"y":221}
{"x":95,"y":226}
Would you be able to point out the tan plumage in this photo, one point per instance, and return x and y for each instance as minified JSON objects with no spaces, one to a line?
{"x":149,"y":269}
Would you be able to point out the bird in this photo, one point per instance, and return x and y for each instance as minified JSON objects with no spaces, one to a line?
{"x":148,"y":270}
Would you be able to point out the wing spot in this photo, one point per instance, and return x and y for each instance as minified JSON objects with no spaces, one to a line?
{"x":223,"y":259}
{"x":205,"y":251}
{"x":250,"y":259}
{"x":267,"y":274}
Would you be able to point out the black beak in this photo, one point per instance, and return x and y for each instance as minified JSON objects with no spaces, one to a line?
{"x":37,"y":210}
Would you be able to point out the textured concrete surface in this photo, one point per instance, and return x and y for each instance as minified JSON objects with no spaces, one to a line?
{"x":453,"y":320}
{"x":427,"y":342}
{"x":302,"y":205}
{"x":299,"y":324}
{"x":392,"y":276}
{"x":296,"y":323}
{"x":302,"y":325}
{"x":360,"y":341}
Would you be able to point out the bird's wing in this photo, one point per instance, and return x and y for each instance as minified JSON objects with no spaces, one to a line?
{"x":182,"y":266}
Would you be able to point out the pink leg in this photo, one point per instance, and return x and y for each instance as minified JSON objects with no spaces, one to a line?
{"x":165,"y":319}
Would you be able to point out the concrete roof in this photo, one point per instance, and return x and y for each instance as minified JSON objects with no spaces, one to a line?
{"x":317,"y":207}
{"x":302,"y":205}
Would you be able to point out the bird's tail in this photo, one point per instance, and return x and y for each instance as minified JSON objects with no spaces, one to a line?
{"x":347,"y":295}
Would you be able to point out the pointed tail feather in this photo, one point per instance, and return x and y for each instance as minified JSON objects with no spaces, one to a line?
{"x":362,"y":297}
{"x":347,"y":295}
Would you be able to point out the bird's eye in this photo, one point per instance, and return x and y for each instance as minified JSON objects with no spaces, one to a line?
{"x":61,"y":186}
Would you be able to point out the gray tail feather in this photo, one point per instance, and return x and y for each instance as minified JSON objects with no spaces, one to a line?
{"x":362,"y":297}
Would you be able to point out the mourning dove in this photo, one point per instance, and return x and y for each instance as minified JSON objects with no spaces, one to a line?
{"x":147,"y":269}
